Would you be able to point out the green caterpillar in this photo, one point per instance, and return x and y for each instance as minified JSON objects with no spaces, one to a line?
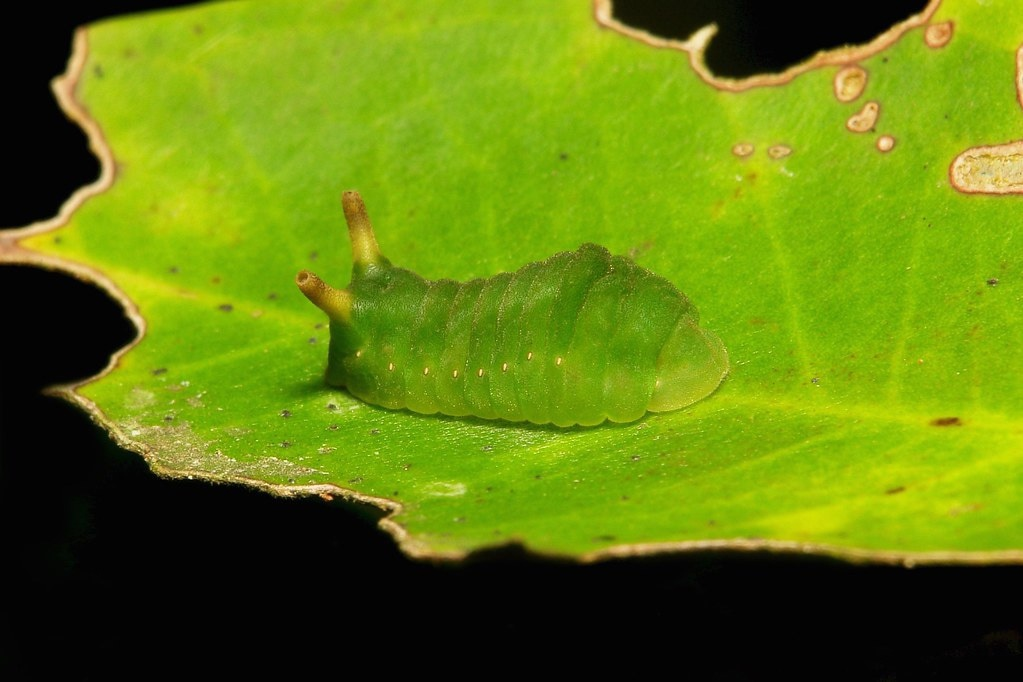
{"x":581,"y":337}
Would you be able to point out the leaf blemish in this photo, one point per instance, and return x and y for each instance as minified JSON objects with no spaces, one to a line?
{"x":742,"y":149}
{"x":779,"y":151}
{"x":885,"y":143}
{"x":896,"y":490}
{"x":864,"y":120}
{"x":850,"y":83}
{"x":996,"y":169}
{"x":937,"y":35}
{"x":225,"y":307}
{"x":947,"y":421}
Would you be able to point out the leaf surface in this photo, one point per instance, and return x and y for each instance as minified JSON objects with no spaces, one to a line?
{"x":872,"y":308}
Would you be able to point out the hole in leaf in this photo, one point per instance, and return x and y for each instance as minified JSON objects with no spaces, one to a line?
{"x":756,"y":37}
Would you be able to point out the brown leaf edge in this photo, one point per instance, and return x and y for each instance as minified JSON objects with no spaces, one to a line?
{"x":12,"y":252}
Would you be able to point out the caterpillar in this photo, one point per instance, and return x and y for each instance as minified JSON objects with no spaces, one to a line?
{"x":579,"y":338}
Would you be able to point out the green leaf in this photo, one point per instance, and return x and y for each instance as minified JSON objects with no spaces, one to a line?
{"x":872,"y":310}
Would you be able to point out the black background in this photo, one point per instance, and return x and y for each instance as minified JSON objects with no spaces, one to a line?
{"x":109,"y":567}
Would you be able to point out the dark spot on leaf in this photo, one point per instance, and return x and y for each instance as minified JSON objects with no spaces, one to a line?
{"x":947,"y":421}
{"x":285,"y":444}
{"x":58,"y":240}
{"x":605,"y":538}
{"x":272,"y":295}
{"x":313,"y":255}
{"x":993,"y":282}
{"x":815,"y":380}
{"x":173,"y":269}
{"x":97,"y":71}
{"x":357,"y":479}
{"x":285,"y":413}
{"x":374,"y":432}
{"x":332,"y":427}
{"x":168,"y":417}
{"x":159,"y":370}
{"x":394,"y":492}
{"x":226,"y":307}
{"x":406,"y":466}
{"x":895,"y":491}
{"x":319,"y":325}
{"x":332,"y":407}
{"x":538,"y":477}
{"x":563,"y":156}
{"x":712,"y":522}
{"x":312,"y":340}
{"x":625,"y":498}
{"x":197,"y":29}
{"x":635,"y":458}
{"x":487,"y":448}
{"x":459,"y":519}
{"x":214,"y":280}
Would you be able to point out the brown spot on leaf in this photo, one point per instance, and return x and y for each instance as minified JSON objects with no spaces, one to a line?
{"x":779,"y":151}
{"x":896,"y":490}
{"x":742,"y":149}
{"x":850,"y":83}
{"x":947,"y":421}
{"x":996,"y":169}
{"x":938,"y":35}
{"x":885,"y":143}
{"x":993,"y":282}
{"x":225,"y":307}
{"x":865,"y":118}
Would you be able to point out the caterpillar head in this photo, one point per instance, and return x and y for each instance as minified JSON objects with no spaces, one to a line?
{"x":338,"y":304}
